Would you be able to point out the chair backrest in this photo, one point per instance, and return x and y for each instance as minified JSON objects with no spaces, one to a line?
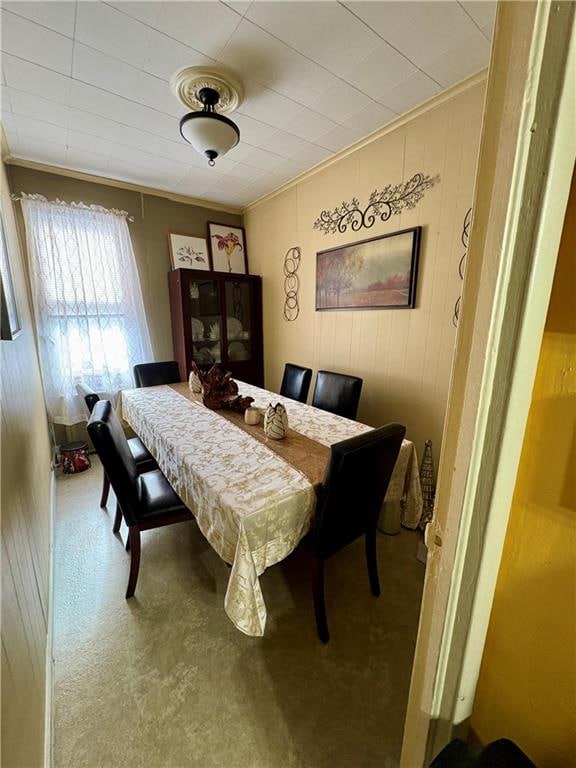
{"x":354,"y":486}
{"x":296,"y":382}
{"x":153,"y":374}
{"x":90,"y":397}
{"x":112,"y":447}
{"x":337,"y":393}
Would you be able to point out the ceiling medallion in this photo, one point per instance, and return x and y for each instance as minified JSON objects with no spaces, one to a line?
{"x":209,"y":93}
{"x":187,"y":83}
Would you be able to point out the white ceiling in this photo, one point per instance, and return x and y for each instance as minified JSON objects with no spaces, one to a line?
{"x":85,"y":84}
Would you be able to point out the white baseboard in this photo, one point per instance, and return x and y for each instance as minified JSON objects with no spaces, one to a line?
{"x":49,"y":684}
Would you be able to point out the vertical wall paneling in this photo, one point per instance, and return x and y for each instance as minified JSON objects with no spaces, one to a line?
{"x":26,"y":512}
{"x":404,"y":356}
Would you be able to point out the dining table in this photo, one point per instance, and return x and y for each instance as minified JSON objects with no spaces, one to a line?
{"x":253,"y":497}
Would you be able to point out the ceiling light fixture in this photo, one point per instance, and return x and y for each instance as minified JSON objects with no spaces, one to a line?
{"x":209,"y":133}
{"x":205,"y":90}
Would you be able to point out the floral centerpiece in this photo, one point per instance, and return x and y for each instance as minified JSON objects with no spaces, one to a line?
{"x":220,"y":391}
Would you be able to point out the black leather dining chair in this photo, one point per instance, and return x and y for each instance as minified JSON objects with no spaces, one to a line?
{"x":349,"y":503}
{"x":143,"y":458}
{"x":337,"y":393}
{"x":296,"y":382}
{"x":502,"y":753}
{"x":154,"y":374}
{"x":148,"y":500}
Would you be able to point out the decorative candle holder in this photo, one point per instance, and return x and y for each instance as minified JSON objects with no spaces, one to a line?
{"x":275,"y":422}
{"x":194,"y":383}
{"x":252,"y":416}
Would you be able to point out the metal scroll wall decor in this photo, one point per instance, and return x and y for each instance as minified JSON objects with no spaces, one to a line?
{"x":291,"y":283}
{"x":381,"y":205}
{"x":464,"y":237}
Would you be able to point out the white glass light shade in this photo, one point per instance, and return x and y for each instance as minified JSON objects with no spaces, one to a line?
{"x":210,"y":134}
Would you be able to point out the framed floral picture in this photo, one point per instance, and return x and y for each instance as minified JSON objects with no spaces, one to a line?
{"x":188,"y":252}
{"x":228,"y":248}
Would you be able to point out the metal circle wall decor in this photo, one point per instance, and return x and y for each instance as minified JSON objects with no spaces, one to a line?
{"x":291,"y":283}
{"x":464,"y":238}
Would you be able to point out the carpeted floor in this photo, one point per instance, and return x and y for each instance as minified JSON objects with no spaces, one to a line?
{"x":165,"y":680}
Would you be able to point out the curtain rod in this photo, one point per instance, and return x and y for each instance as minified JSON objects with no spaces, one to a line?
{"x":18,"y":198}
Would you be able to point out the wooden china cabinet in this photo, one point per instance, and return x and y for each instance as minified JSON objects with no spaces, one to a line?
{"x":217,"y":318}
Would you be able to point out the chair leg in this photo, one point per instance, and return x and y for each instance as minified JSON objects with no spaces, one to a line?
{"x":128,"y":542}
{"x":372,"y":562}
{"x":134,"y":537}
{"x":117,"y":519}
{"x":319,"y":602}
{"x":105,"y":490}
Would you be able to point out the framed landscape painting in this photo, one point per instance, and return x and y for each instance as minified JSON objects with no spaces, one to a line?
{"x":379,"y":273}
{"x":228,"y":248}
{"x":188,"y":252}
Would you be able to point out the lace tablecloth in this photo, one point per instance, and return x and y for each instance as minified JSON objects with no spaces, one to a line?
{"x":250,"y":504}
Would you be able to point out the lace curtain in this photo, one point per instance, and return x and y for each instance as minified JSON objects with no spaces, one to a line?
{"x":87,"y":301}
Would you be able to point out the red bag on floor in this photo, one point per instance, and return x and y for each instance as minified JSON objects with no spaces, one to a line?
{"x":74,"y":457}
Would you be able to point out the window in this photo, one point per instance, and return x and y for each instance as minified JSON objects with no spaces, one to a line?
{"x":87,"y":300}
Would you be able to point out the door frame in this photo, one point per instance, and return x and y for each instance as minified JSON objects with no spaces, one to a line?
{"x":527,"y":156}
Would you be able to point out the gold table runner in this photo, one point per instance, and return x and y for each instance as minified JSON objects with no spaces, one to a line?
{"x":304,"y":454}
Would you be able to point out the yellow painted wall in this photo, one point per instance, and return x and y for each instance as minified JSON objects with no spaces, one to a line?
{"x":404,"y":356}
{"x":527,"y":685}
{"x":25,"y":502}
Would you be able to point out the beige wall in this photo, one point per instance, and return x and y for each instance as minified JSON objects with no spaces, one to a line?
{"x":26,"y":510}
{"x":154,"y":217}
{"x":404,"y":356}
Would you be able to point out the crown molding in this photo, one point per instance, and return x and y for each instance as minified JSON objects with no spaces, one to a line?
{"x":421,"y":109}
{"x":82,"y":176}
{"x":4,"y":151}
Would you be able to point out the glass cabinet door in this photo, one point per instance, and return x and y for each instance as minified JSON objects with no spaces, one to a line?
{"x":206,"y":320}
{"x":239,"y":311}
